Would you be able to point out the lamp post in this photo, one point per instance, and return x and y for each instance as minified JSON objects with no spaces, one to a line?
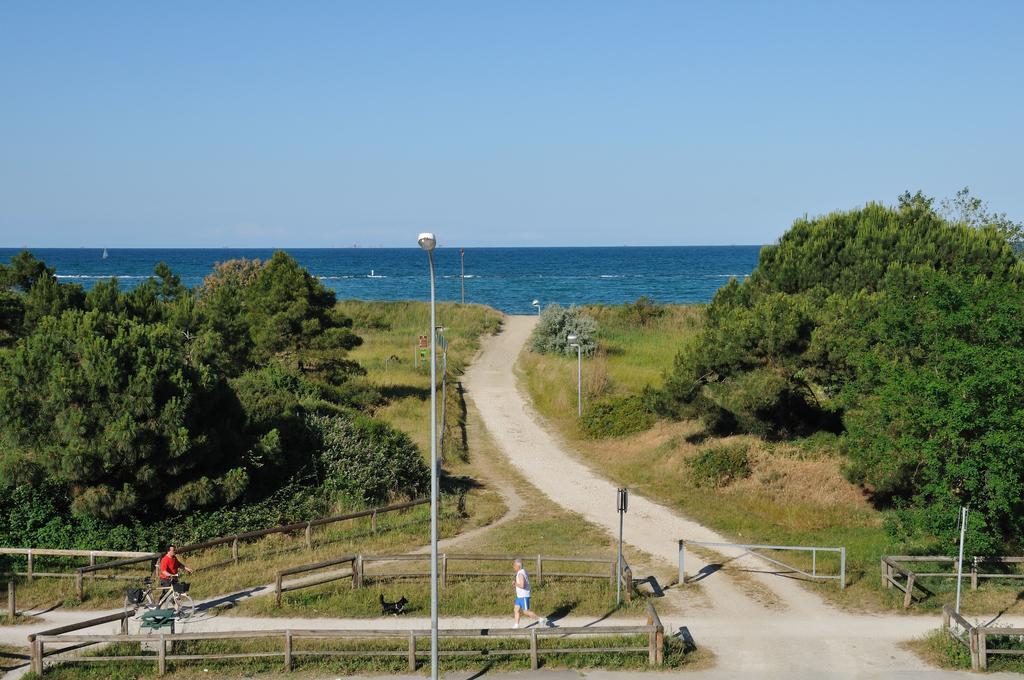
{"x":536,"y":303}
{"x":574,"y":342}
{"x":427,"y":241}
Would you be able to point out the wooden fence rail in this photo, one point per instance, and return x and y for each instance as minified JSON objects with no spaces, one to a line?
{"x":32,"y":553}
{"x":236,"y":539}
{"x":976,"y":638}
{"x":359,"y":570}
{"x":654,"y":630}
{"x":892,"y":570}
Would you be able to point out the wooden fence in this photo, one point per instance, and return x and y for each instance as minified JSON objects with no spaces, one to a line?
{"x":976,"y":638}
{"x":654,"y":630}
{"x":359,"y":570}
{"x":32,"y":553}
{"x":893,"y":571}
{"x":237,"y":540}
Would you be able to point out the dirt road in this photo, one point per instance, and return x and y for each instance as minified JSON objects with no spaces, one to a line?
{"x":806,"y":635}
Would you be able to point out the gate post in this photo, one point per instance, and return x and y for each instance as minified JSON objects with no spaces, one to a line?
{"x":682,"y":562}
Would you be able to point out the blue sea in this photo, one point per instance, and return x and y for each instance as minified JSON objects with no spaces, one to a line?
{"x":508,"y":279}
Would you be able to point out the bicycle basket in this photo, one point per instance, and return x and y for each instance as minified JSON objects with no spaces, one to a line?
{"x":180,"y":587}
{"x":135,"y":595}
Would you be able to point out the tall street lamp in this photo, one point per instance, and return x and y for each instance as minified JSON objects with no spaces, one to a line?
{"x":536,"y":303}
{"x":574,"y":342}
{"x":427,"y":241}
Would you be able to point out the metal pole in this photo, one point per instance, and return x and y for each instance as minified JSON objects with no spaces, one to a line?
{"x":618,"y":576}
{"x":579,"y":381}
{"x":433,"y":475}
{"x":960,"y":562}
{"x":462,"y":277}
{"x":682,"y":562}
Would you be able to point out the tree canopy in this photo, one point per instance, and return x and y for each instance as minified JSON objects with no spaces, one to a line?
{"x":892,"y":325}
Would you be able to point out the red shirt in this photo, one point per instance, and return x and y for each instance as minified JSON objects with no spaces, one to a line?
{"x":169,"y":565}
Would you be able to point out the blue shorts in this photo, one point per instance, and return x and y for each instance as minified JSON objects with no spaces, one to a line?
{"x":523,"y":603}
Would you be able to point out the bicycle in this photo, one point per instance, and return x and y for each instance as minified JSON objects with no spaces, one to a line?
{"x":175,"y":596}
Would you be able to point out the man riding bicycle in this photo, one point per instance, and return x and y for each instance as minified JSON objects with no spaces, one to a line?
{"x":169,"y":565}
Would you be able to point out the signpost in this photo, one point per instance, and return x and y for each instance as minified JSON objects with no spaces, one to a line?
{"x":622,"y":504}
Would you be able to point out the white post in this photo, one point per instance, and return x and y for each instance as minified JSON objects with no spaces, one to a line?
{"x":579,"y":381}
{"x":960,"y":562}
{"x":433,"y":475}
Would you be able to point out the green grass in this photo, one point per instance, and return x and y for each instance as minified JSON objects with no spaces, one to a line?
{"x":259,"y":560}
{"x":391,"y":329}
{"x":795,"y":495}
{"x":939,"y":649}
{"x":676,"y":657}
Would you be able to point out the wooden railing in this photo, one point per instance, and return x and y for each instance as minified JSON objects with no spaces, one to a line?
{"x":976,"y":638}
{"x":359,"y":570}
{"x":654,"y":630}
{"x":31,"y":553}
{"x":892,"y":571}
{"x":37,"y":640}
{"x":237,"y":539}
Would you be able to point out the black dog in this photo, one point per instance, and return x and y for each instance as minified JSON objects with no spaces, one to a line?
{"x":394,"y":608}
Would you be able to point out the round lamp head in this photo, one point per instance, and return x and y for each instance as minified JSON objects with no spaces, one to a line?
{"x":427,"y":241}
{"x":572,"y":338}
{"x":535,"y":303}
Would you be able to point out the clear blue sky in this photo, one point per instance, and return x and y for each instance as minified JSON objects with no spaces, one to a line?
{"x":494,"y":123}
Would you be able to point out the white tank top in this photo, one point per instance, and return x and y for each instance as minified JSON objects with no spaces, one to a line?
{"x":525,"y":591}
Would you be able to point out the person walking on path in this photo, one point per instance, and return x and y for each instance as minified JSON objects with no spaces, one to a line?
{"x":522,"y":606}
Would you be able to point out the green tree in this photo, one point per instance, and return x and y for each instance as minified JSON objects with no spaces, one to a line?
{"x":110,"y":408}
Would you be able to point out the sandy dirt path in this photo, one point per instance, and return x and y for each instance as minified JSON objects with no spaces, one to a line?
{"x":806,"y":635}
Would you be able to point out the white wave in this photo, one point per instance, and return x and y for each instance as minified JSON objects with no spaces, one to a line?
{"x":612,"y":276}
{"x":100,"y":276}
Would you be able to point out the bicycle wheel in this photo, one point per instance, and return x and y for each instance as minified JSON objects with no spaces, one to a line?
{"x":186,"y":607}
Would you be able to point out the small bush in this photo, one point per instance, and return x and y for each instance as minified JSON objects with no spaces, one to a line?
{"x":618,"y":416}
{"x":554,"y":326}
{"x":642,"y":312}
{"x":720,"y":465}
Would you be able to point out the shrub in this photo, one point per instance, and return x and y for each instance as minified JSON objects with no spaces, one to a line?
{"x":365,"y":460}
{"x":642,"y":312}
{"x":618,"y":416}
{"x":555,"y":325}
{"x":720,"y":465}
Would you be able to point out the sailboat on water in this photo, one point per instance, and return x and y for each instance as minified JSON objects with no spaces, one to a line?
{"x":105,"y":253}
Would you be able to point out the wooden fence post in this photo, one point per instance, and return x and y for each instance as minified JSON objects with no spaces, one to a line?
{"x":309,"y":536}
{"x":277,"y":589}
{"x":288,"y":650}
{"x":659,"y":642}
{"x":982,"y":649}
{"x":234,"y":551}
{"x":533,"y":649}
{"x":357,"y":572}
{"x":92,"y":563}
{"x":161,"y":662}
{"x":412,"y":652}
{"x":30,"y":564}
{"x":12,"y":608}
{"x":974,"y":574}
{"x":909,"y":596}
{"x":973,"y":641}
{"x":37,"y":657}
{"x":373,"y":522}
{"x":540,"y":570}
{"x":945,"y":617}
{"x":124,"y":625}
{"x":615,"y":568}
{"x":883,"y":570}
{"x":79,"y":585}
{"x":627,"y":577}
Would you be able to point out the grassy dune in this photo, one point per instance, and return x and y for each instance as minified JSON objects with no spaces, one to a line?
{"x":795,"y":493}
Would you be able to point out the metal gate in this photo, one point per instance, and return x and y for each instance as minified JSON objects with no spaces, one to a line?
{"x":751,"y":549}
